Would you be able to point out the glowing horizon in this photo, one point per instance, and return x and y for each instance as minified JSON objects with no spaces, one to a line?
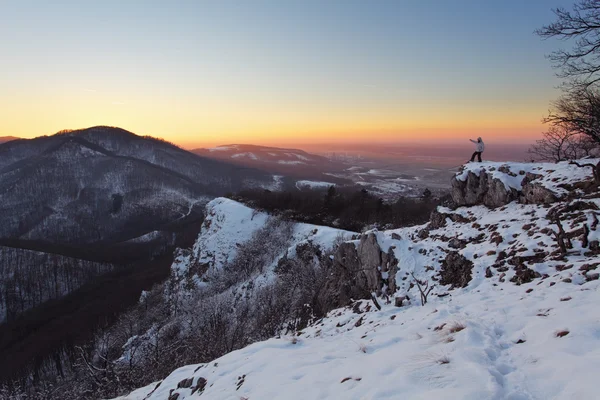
{"x":210,"y":73}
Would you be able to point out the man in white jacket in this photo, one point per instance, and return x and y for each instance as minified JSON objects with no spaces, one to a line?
{"x":480,"y":147}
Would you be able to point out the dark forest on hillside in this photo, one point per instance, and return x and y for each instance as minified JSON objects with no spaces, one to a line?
{"x":346,"y":209}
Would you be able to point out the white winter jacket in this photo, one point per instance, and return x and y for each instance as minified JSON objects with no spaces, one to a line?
{"x":479,"y":144}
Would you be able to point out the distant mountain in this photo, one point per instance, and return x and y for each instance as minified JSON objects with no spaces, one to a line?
{"x":106,"y":185}
{"x":4,"y":139}
{"x":289,"y":162}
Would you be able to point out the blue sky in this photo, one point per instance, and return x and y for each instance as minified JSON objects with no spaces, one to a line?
{"x":255,"y":70}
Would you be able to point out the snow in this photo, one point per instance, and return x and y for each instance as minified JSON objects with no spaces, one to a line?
{"x":313,"y":184}
{"x":222,"y":148}
{"x":249,"y":155}
{"x":290,"y":162}
{"x":299,"y":156}
{"x":406,"y":357}
{"x":229,"y":224}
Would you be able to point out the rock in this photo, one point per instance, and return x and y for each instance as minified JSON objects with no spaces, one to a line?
{"x":456,"y":270}
{"x":399,"y":301}
{"x":437,"y":220}
{"x":343,"y":283}
{"x":369,"y":255}
{"x":488,"y":272}
{"x":534,"y":193}
{"x":524,"y":275}
{"x":483,"y":189}
{"x":389,"y":266}
{"x":456,"y":243}
{"x":186,"y":383}
{"x":592,"y":276}
{"x":200,"y":385}
{"x":395,"y":236}
{"x":358,"y":271}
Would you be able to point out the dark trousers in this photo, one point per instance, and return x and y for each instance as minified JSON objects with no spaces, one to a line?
{"x":478,"y":154}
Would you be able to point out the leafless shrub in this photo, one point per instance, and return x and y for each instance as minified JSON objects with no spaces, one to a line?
{"x":424,"y":288}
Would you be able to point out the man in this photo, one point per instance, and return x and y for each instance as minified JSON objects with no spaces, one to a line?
{"x":479,"y":149}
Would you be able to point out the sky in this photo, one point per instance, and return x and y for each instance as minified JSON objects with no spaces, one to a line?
{"x":278,"y":72}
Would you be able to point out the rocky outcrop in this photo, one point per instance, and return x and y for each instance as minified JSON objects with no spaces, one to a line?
{"x":534,"y":193}
{"x":481,"y":189}
{"x":359,"y":270}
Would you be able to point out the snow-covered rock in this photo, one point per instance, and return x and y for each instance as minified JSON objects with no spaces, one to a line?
{"x":496,"y":184}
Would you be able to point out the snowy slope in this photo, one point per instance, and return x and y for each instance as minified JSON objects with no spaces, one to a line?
{"x":507,"y":349}
{"x":522,"y":323}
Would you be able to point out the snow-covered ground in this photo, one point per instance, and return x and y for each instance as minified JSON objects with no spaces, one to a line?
{"x":314,"y":184}
{"x":525,"y":325}
{"x":486,"y":342}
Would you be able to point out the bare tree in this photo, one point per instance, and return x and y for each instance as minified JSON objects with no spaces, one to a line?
{"x":578,"y":112}
{"x":581,"y":64}
{"x":559,"y":143}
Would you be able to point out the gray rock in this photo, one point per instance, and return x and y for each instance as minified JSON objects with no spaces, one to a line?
{"x":356,"y":272}
{"x":369,"y":254}
{"x":535,"y":193}
{"x":482,"y":189}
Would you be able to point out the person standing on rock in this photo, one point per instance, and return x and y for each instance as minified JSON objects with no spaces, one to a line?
{"x":479,"y":149}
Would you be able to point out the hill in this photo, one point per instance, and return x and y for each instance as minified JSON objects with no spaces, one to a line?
{"x":288,"y":162}
{"x":81,"y":203}
{"x":105,"y":184}
{"x":4,"y":139}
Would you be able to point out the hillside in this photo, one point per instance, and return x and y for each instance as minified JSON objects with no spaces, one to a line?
{"x":288,"y":162}
{"x":78,"y":204}
{"x":510,"y":290}
{"x":106,"y":185}
{"x":4,"y":139}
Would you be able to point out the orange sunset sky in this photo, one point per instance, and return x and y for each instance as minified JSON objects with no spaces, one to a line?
{"x":204,"y":73}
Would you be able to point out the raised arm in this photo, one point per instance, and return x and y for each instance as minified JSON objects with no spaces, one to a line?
{"x":474,"y":141}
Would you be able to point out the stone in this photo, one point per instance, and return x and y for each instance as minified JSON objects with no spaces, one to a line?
{"x":456,"y":270}
{"x":524,"y":274}
{"x":481,"y":188}
{"x":186,"y":383}
{"x":456,"y":243}
{"x":358,"y":271}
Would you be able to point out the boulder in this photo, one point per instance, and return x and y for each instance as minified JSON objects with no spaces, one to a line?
{"x":534,"y":193}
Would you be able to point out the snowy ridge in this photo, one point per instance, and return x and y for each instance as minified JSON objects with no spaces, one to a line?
{"x":512,"y":314}
{"x":229,"y":224}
